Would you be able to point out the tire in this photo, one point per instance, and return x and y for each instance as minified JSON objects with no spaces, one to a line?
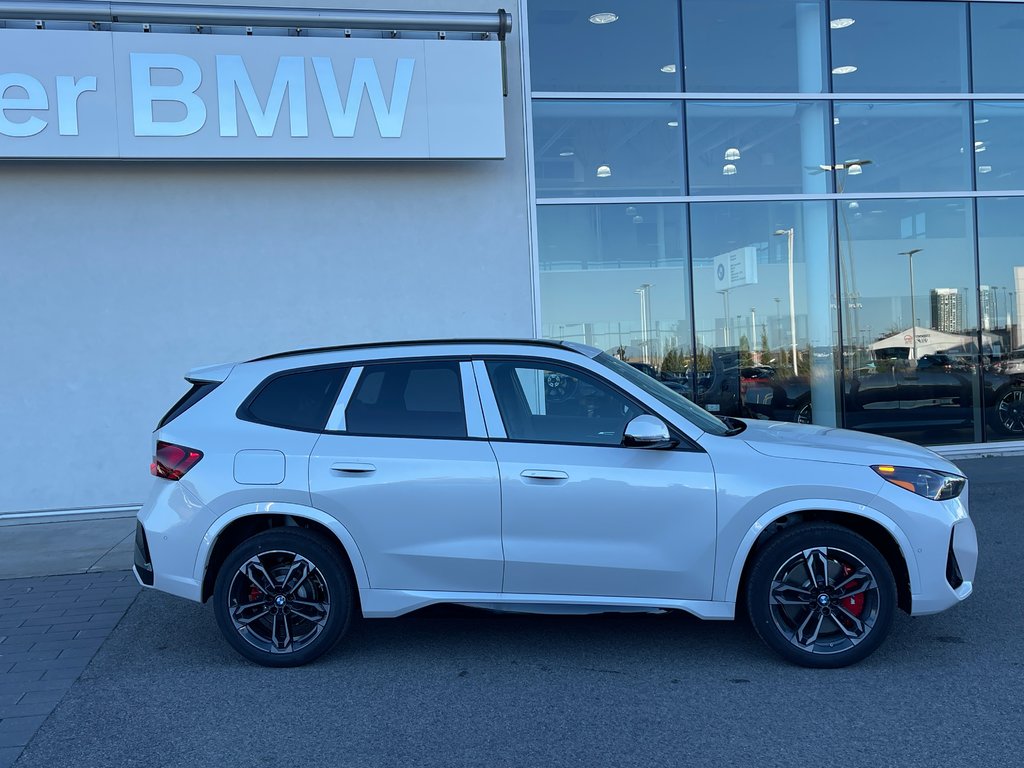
{"x":839,"y":622}
{"x":284,"y":597}
{"x":802,"y":413}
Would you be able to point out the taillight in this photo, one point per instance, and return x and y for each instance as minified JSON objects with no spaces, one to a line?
{"x":173,"y":461}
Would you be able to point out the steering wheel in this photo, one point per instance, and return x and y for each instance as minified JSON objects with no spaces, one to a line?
{"x":558,"y":387}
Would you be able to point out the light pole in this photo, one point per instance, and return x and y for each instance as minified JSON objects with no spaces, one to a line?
{"x":728,"y":317}
{"x":913,"y":314}
{"x":645,"y":320}
{"x":792,"y":300}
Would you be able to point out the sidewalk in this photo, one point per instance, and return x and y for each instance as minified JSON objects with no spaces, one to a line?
{"x":46,"y":544}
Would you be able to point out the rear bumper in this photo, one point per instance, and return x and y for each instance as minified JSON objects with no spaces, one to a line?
{"x":166,"y":541}
{"x":143,"y":567}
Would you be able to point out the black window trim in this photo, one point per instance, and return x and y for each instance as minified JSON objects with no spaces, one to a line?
{"x":685,"y":443}
{"x":244,"y":414}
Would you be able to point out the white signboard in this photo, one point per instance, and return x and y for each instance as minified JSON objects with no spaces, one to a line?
{"x":736,"y":268}
{"x":66,"y":94}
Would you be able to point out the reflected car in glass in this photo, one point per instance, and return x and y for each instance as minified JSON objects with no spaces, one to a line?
{"x":301,"y":491}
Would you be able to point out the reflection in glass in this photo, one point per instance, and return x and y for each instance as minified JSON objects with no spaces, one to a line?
{"x":608,"y":148}
{"x":996,"y":50}
{"x":900,"y":146}
{"x":998,"y":150}
{"x":910,"y":335}
{"x":754,"y":46}
{"x":899,"y":47}
{"x":638,"y":51}
{"x":615,"y":277}
{"x":1001,"y":299}
{"x":757,"y":147}
{"x":765,"y":328}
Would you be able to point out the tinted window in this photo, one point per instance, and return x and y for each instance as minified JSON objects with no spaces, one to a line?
{"x":552,"y":404}
{"x":422,"y":399}
{"x":300,"y":400}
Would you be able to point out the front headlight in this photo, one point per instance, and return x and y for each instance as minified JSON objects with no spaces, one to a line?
{"x":938,"y":486}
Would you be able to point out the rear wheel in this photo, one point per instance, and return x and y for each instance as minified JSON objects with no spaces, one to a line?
{"x":821,"y":596}
{"x":283,"y":597}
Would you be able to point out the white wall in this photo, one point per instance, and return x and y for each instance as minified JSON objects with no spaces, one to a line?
{"x":116,"y":278}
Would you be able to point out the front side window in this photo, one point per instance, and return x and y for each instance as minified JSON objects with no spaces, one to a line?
{"x":415,"y":399}
{"x":548,"y":403}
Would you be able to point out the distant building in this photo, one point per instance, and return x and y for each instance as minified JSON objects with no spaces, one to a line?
{"x":988,"y":305}
{"x":947,"y":310}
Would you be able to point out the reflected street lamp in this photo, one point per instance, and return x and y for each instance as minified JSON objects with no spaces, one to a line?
{"x":792,"y":301}
{"x":913,"y":314}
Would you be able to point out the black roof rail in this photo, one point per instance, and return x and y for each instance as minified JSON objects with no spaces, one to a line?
{"x":412,"y":343}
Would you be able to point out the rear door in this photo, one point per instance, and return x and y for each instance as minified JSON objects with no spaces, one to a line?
{"x":405,"y":466}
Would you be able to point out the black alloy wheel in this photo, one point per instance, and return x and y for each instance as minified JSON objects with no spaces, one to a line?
{"x":821,"y":596}
{"x":283,"y":597}
{"x":1009,"y":411}
{"x":803,"y":413}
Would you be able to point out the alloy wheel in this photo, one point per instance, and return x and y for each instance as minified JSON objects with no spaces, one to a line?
{"x":1010,"y":411}
{"x":279,"y":601}
{"x":824,"y":600}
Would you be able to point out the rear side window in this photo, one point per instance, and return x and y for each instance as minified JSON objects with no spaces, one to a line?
{"x":300,"y":400}
{"x":200,"y":389}
{"x":416,"y":399}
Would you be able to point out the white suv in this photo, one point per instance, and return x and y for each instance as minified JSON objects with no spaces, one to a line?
{"x":303,"y":489}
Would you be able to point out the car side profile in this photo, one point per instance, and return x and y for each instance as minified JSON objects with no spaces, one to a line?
{"x":302,"y":490}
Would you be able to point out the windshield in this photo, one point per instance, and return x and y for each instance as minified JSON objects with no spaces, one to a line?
{"x":692,"y":413}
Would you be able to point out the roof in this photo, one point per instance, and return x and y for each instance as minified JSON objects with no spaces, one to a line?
{"x":422,"y":342}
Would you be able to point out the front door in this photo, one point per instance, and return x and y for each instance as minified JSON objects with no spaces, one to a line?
{"x":583,"y":515}
{"x":402,"y":471}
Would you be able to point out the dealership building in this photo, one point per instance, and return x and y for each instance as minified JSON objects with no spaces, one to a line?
{"x":804,"y":210}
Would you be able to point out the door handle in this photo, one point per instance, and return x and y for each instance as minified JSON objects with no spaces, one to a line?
{"x":544,"y":474}
{"x":353,"y":467}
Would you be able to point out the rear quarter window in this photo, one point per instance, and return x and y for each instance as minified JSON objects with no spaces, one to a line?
{"x":299,"y":400}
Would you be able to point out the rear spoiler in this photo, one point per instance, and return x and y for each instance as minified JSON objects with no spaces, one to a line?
{"x":209,"y":373}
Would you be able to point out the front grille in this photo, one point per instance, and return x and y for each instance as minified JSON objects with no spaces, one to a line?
{"x":953,"y":575}
{"x":143,"y":565}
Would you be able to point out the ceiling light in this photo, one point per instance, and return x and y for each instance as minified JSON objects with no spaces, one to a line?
{"x":605,"y":17}
{"x":630,"y":210}
{"x":981,"y":121}
{"x":835,"y":121}
{"x":979,"y":147}
{"x":566,"y":153}
{"x":979,"y":144}
{"x":854,"y":169}
{"x":732,"y":154}
{"x":638,"y":219}
{"x":669,"y":69}
{"x":673,"y":123}
{"x":854,"y":205}
{"x":844,"y":70}
{"x":984,"y":169}
{"x":603,"y":171}
{"x":841,"y":23}
{"x":728,"y":169}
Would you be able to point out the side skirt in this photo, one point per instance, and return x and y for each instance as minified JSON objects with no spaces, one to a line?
{"x":388,"y":603}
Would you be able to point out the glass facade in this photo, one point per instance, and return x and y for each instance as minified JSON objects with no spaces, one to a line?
{"x":802,"y":210}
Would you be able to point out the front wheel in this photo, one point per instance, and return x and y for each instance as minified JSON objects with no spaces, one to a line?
{"x":821,"y":596}
{"x":283,"y":597}
{"x":1008,"y":416}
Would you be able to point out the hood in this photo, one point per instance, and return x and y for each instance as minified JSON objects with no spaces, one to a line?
{"x":838,"y":446}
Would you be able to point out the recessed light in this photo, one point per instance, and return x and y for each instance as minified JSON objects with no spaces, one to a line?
{"x":981,"y":121}
{"x":984,"y":169}
{"x":728,"y":169}
{"x":604,"y":171}
{"x":638,"y":219}
{"x":835,"y":121}
{"x":630,"y":210}
{"x":566,"y":153}
{"x":669,"y":69}
{"x":673,"y":123}
{"x":732,"y":154}
{"x":605,"y":17}
{"x":854,"y":205}
{"x":842,"y":23}
{"x":846,"y":69}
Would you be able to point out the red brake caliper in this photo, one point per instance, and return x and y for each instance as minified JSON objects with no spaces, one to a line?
{"x":254,"y":595}
{"x":855,"y":603}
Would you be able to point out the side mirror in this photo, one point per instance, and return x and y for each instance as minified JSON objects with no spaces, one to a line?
{"x":647,"y":432}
